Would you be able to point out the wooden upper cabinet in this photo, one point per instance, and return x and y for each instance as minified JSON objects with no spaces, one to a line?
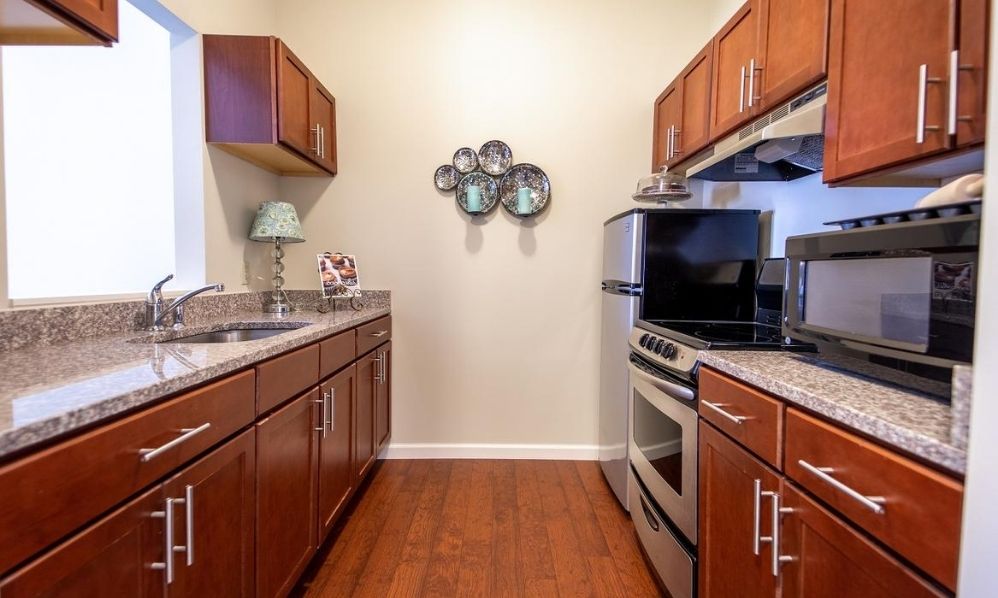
{"x":693,"y":131}
{"x":732,"y":561}
{"x":887,"y":80}
{"x":736,"y":64}
{"x":214,"y":554}
{"x":972,"y":72}
{"x":828,"y":559}
{"x":264,"y":105}
{"x":793,"y":49}
{"x":58,"y":22}
{"x":667,"y":111}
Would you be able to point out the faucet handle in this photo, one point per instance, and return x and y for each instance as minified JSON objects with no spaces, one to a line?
{"x":156,"y":294}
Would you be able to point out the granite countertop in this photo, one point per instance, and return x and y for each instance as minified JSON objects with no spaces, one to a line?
{"x":52,"y":390}
{"x":914,"y":423}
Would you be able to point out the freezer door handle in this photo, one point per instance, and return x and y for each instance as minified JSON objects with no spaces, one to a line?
{"x":619,"y":287}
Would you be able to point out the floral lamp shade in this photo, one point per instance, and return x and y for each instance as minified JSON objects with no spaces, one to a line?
{"x":277,"y":220}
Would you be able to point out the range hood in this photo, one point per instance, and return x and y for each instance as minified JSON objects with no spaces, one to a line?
{"x":786,"y":144}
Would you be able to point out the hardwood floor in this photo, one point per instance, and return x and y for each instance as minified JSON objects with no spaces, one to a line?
{"x":483,"y":528}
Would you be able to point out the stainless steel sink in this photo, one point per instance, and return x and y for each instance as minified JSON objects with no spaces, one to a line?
{"x":235,"y":335}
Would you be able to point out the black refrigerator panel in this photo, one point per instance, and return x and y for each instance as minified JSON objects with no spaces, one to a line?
{"x":700,"y":264}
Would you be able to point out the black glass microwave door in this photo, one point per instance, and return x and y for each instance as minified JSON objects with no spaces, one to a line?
{"x":886,"y":299}
{"x":660,"y":440}
{"x":700,"y":265}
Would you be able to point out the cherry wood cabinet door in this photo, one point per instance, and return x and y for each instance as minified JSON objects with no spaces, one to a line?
{"x":735,"y":49}
{"x":365,"y":449}
{"x":383,"y":406}
{"x":100,"y":16}
{"x":733,"y":515}
{"x":667,"y":114}
{"x":693,"y":131}
{"x":887,"y":95}
{"x":793,"y":46}
{"x":113,"y":557}
{"x":214,"y":513}
{"x":336,"y":476}
{"x":286,"y":455}
{"x":829,"y":559}
{"x":972,"y":72}
{"x":322,"y":114}
{"x":294,"y":86}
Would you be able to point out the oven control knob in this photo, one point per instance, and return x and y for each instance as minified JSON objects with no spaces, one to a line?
{"x":644,"y":339}
{"x":659,"y":346}
{"x":670,"y":351}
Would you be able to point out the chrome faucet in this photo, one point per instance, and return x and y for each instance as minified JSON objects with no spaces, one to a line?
{"x":157,"y":310}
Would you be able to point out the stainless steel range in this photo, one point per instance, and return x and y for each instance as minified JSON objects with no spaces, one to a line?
{"x":663,"y":365}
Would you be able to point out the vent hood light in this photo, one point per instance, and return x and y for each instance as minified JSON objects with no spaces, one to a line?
{"x":783,"y":145}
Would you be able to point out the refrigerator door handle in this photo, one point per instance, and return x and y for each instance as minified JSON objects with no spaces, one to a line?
{"x":619,"y":287}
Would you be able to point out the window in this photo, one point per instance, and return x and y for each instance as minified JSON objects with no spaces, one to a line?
{"x":92,"y":138}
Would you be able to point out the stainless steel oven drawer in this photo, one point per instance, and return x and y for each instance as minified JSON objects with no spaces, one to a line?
{"x":674,"y":567}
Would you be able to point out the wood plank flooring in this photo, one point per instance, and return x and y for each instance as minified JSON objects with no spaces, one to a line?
{"x":482,"y":528}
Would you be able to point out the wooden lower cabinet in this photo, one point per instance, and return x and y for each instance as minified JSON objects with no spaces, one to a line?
{"x":827,"y":558}
{"x":113,"y":557}
{"x":219,"y":494}
{"x":287,"y":454}
{"x":365,"y":449}
{"x":383,"y":406}
{"x":336,"y":475}
{"x":730,"y":482}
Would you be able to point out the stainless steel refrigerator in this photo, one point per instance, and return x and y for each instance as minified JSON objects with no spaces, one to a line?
{"x":665,"y":264}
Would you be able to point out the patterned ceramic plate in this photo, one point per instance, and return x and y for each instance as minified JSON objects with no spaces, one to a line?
{"x":490,"y":191}
{"x":465,"y":160}
{"x":531,"y":177}
{"x":495,"y":157}
{"x":446,"y":177}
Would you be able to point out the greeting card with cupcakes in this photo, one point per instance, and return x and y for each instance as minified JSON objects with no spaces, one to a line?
{"x":338,"y":275}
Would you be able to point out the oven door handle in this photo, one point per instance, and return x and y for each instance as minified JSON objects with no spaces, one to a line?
{"x":670,"y":388}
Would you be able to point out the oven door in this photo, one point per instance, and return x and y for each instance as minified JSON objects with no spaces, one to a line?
{"x":663,"y":443}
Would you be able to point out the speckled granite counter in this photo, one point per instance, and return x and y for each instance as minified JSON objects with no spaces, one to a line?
{"x":914,"y":423}
{"x":50,"y":390}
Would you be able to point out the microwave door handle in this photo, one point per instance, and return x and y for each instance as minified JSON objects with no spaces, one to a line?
{"x":670,"y":388}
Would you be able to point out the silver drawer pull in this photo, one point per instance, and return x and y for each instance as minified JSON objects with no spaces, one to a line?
{"x":738,"y":419}
{"x":874,"y":503}
{"x":756,"y":524}
{"x":167,"y":564}
{"x":148,"y":454}
{"x":379,"y":333}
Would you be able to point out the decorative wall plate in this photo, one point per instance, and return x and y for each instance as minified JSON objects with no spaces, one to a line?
{"x":446,"y":177}
{"x":525,"y":175}
{"x":495,"y":157}
{"x":465,"y":160}
{"x":490,"y":191}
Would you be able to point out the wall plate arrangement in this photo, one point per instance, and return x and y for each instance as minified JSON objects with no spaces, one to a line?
{"x":481,"y":180}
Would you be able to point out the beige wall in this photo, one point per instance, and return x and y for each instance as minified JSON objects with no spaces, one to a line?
{"x":497,"y":328}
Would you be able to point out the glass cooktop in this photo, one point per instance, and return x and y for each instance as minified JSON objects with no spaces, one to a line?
{"x":704,"y":334}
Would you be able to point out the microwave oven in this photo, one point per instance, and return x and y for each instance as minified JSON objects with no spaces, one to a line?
{"x":895,"y":301}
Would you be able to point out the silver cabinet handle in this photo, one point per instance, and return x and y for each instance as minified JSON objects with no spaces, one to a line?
{"x":751,"y":82}
{"x":777,"y":558}
{"x":188,"y":502}
{"x":874,"y":503}
{"x":741,"y":91}
{"x":954,"y":71}
{"x":322,"y":143}
{"x":738,"y":419}
{"x":148,"y":454}
{"x":322,"y":418}
{"x":167,"y":565}
{"x":315,"y":131}
{"x":675,"y":145}
{"x":668,"y":143}
{"x":923,"y":83}
{"x":757,"y":495}
{"x":384,"y":367}
{"x":379,"y":333}
{"x":327,"y":399}
{"x":377,"y":369}
{"x":332,"y":409}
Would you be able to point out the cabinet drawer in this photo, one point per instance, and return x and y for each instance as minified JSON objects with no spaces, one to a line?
{"x":371,"y":335}
{"x":911,"y":508}
{"x":286,"y":376}
{"x":336,"y":352}
{"x":744,"y":413}
{"x":49,"y":494}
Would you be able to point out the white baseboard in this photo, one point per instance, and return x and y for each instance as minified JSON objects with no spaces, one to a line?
{"x":557,"y":452}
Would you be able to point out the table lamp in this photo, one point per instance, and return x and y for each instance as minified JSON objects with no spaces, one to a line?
{"x":277,"y":222}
